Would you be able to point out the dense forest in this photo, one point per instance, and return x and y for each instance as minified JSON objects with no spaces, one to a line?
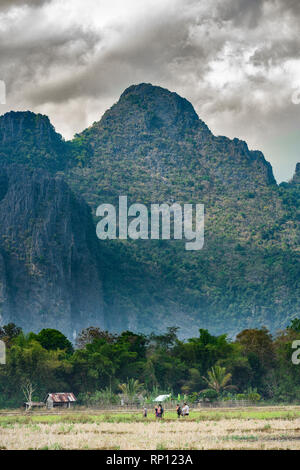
{"x":103,"y":368}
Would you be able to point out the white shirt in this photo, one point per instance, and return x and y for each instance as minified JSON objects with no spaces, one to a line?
{"x":185,"y":410}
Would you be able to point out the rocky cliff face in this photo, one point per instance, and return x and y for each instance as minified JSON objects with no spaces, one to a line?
{"x":49,"y":264}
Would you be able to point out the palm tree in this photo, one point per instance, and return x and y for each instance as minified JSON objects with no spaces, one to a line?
{"x":218,"y":379}
{"x":131,"y":389}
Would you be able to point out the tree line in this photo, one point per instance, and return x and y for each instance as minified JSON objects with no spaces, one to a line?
{"x":102,"y":367}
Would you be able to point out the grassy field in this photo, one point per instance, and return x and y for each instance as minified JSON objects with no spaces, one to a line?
{"x":251,"y":428}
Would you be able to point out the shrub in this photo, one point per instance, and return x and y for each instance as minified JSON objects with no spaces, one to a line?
{"x":209,"y":395}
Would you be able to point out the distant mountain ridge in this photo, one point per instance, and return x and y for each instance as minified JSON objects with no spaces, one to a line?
{"x":152,"y":147}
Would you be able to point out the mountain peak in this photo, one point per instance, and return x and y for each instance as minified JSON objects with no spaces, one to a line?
{"x":18,"y":121}
{"x":160,"y":96}
{"x":27,"y":137}
{"x":296,"y":177}
{"x":154,"y":108}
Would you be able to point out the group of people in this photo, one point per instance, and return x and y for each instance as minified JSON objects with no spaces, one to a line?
{"x":159,"y":411}
{"x":184,"y":411}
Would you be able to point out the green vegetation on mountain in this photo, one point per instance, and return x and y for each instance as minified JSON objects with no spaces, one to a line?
{"x":28,"y":138}
{"x":152,"y":147}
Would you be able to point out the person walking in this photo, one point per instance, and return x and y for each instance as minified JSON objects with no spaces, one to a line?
{"x":145,"y":412}
{"x":160,"y":411}
{"x":178,"y":410}
{"x":185,"y":410}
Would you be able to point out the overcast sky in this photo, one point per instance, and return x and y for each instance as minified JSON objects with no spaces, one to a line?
{"x":237,"y":61}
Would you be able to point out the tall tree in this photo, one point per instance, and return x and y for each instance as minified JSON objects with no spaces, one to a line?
{"x":218,"y":379}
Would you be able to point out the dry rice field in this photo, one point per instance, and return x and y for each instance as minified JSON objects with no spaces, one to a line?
{"x":253,"y":428}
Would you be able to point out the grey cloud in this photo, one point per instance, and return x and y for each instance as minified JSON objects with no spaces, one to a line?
{"x":30,"y":61}
{"x":287,"y":6}
{"x":276,"y":52}
{"x":7,"y":4}
{"x":220,"y":55}
{"x":151,"y":55}
{"x":242,"y":12}
{"x":251,"y":14}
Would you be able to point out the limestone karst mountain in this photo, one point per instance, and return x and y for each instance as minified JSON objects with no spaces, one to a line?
{"x":152,"y":147}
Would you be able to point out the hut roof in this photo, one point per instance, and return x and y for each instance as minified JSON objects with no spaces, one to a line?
{"x":62,"y":397}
